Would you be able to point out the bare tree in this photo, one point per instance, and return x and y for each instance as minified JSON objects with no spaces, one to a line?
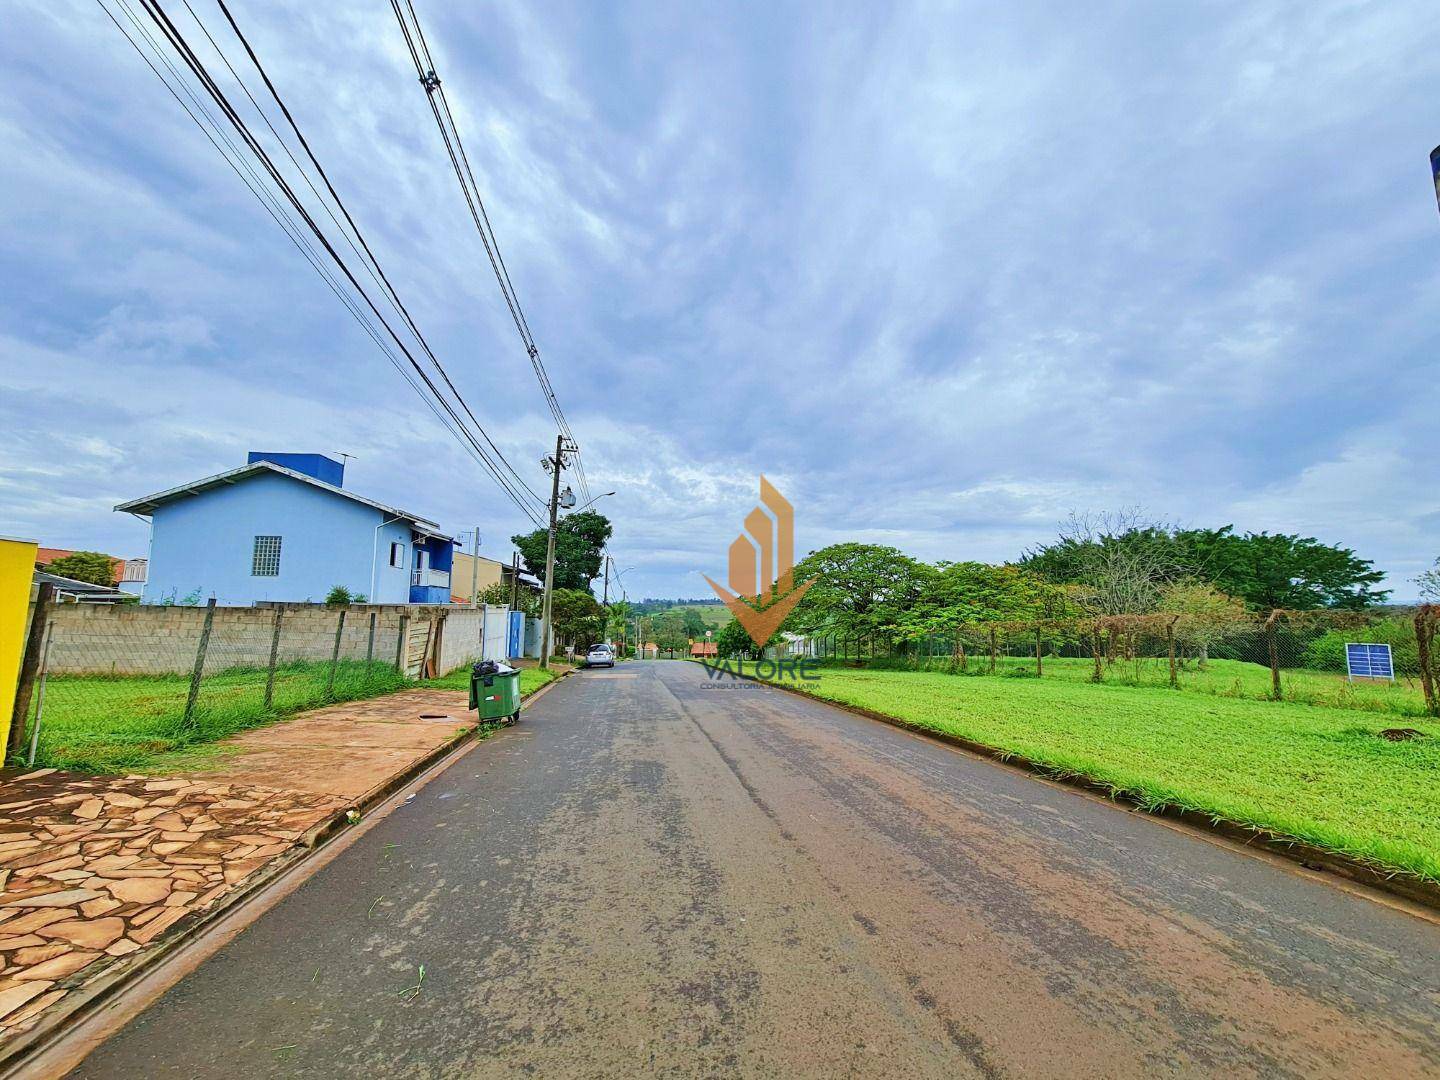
{"x":1125,"y":560}
{"x":1429,"y":583}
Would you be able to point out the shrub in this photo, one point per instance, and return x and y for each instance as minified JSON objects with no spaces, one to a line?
{"x":1327,"y":652}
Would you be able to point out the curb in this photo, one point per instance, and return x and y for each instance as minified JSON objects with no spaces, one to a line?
{"x":113,"y":981}
{"x":321,"y":831}
{"x":1397,"y":883}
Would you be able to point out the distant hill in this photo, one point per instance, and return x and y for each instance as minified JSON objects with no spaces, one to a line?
{"x":714,"y":613}
{"x":711,"y":610}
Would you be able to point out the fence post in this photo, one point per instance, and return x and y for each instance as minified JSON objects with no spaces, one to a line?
{"x":1273,"y":647}
{"x":274,"y":656}
{"x":40,"y":694}
{"x":439,"y":642}
{"x":1425,"y":620}
{"x":1099,"y":673}
{"x":1170,"y":647}
{"x":335,"y":654}
{"x":29,"y":667}
{"x":370,"y":642}
{"x":1039,"y":651}
{"x":400,"y":645}
{"x":199,"y":669}
{"x":992,"y":650}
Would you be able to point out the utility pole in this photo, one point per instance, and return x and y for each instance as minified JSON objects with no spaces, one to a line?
{"x":605,"y":599}
{"x":557,"y":463}
{"x":514,"y":581}
{"x":475,"y":570}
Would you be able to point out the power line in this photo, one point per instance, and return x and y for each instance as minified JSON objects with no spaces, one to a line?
{"x":187,"y":54}
{"x":248,"y":177}
{"x":499,"y":468}
{"x":275,"y":94}
{"x":419,"y":50}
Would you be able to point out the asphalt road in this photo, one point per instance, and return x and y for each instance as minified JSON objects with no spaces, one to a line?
{"x":654,"y":874}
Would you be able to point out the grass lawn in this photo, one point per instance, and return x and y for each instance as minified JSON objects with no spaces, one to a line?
{"x":1312,"y":772}
{"x":531,"y":679}
{"x":1219,"y":678}
{"x":120,"y":724}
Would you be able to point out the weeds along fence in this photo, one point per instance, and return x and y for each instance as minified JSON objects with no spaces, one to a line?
{"x":202,"y":673}
{"x":1280,"y":655}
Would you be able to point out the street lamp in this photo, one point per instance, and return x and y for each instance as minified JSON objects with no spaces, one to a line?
{"x":592,"y":502}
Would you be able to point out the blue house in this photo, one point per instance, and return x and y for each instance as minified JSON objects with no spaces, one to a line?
{"x":283,"y":527}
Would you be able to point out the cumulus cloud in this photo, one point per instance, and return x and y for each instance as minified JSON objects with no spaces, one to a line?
{"x":942,"y":278}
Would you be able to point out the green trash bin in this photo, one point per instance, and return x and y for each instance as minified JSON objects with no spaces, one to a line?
{"x":495,"y":691}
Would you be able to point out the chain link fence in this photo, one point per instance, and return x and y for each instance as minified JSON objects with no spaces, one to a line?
{"x":118,"y":685}
{"x":1280,"y":655}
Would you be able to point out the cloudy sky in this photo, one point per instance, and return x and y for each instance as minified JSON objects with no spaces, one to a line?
{"x":943,"y":272}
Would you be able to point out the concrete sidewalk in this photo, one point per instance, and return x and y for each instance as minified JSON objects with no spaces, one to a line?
{"x":95,"y":871}
{"x":347,"y":750}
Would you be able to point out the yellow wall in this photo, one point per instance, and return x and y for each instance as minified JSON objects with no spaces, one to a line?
{"x":17,"y":570}
{"x":488,"y":574}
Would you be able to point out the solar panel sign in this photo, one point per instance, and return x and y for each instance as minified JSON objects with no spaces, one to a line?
{"x":1365,"y":661}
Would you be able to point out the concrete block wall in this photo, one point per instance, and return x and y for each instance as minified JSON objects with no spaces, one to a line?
{"x":150,"y":640}
{"x":472,"y":634}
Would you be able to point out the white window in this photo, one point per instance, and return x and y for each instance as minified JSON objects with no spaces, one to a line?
{"x":265,"y":559}
{"x":397,"y":554}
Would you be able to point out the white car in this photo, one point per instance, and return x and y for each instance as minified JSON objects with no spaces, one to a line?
{"x":599,"y":656}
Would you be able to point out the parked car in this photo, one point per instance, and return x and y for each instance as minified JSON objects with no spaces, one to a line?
{"x":599,"y":656}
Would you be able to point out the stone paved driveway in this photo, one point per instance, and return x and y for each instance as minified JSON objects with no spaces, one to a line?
{"x":94,"y":869}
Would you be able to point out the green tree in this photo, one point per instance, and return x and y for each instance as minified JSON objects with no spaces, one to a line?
{"x":971,"y":592}
{"x":860,"y":590}
{"x":579,"y":619}
{"x":1276,"y":570}
{"x":1123,"y":565}
{"x":91,"y":566}
{"x":695,"y":625}
{"x":499,"y":595}
{"x":579,"y":541}
{"x":733,"y":642}
{"x":668,"y":631}
{"x":1114,"y":563}
{"x":1206,"y":615}
{"x":618,"y":621}
{"x":495,"y":593}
